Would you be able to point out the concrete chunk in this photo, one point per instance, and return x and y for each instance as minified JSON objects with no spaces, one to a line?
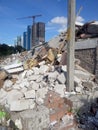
{"x":61,"y":78}
{"x":59,"y":88}
{"x":21,"y":105}
{"x":8,"y":85}
{"x":30,"y":94}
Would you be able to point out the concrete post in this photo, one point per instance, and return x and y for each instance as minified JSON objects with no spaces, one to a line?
{"x":70,"y":45}
{"x":96,"y":67}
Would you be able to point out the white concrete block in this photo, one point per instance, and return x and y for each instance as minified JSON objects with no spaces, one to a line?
{"x":42,"y":63}
{"x":79,"y":89}
{"x":77,"y":80}
{"x":3,"y":93}
{"x":39,"y":101}
{"x":41,"y":93}
{"x":14,"y":95}
{"x":34,"y":85}
{"x":60,"y":88}
{"x":83,"y":75}
{"x":35,"y":70}
{"x":43,"y":69}
{"x":64,"y":68}
{"x":14,"y":65}
{"x":15,"y":70}
{"x":24,"y":83}
{"x":29,"y":73}
{"x":18,"y":123}
{"x":33,"y":77}
{"x":8,"y":85}
{"x":30,"y":94}
{"x":61,"y":78}
{"x":53,"y":75}
{"x":21,"y":105}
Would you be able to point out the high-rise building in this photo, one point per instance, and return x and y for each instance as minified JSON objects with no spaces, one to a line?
{"x":38,"y":33}
{"x":19,"y":41}
{"x":25,"y":40}
{"x":35,"y":35}
{"x":29,"y":37}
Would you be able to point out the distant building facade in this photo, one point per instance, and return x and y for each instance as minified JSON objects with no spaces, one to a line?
{"x":25,"y":40}
{"x":34,"y":35}
{"x":19,"y":41}
{"x":29,"y":37}
{"x":38,"y":33}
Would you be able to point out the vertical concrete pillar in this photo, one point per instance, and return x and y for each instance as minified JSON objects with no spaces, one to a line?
{"x":96,"y":66}
{"x":70,"y":45}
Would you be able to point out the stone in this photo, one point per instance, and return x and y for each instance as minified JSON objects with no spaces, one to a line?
{"x":41,"y":92}
{"x":33,"y":77}
{"x":95,"y":95}
{"x":8,"y":85}
{"x":83,"y":75}
{"x":14,"y":95}
{"x":60,"y":88}
{"x":15,"y":70}
{"x":42,"y":63}
{"x":64,"y":68}
{"x":61,"y":78}
{"x":79,"y":89}
{"x":3,"y":96}
{"x":18,"y":124}
{"x":30,"y":94}
{"x":21,"y":105}
{"x":14,"y":65}
{"x":53,"y":75}
{"x":23,"y":74}
{"x":3,"y":75}
{"x":35,"y":70}
{"x":77,"y":80}
{"x":39,"y":101}
{"x":24,"y":83}
{"x":88,"y":84}
{"x":29,"y":73}
{"x":43,"y":69}
{"x":34,"y":85}
{"x":36,"y":119}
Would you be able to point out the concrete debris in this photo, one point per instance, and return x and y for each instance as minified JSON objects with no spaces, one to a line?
{"x":33,"y":88}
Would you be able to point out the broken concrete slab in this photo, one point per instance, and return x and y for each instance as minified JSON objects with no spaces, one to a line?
{"x":61,"y":78}
{"x":14,"y":95}
{"x":20,"y":105}
{"x":30,"y":94}
{"x":43,"y":69}
{"x":60,"y":88}
{"x":34,"y":85}
{"x":8,"y":85}
{"x":41,"y":92}
{"x":15,"y":70}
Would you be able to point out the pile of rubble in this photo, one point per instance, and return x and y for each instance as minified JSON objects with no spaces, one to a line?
{"x":88,"y":30}
{"x":33,"y":90}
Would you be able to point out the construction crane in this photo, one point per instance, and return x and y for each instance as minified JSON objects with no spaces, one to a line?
{"x":33,"y":17}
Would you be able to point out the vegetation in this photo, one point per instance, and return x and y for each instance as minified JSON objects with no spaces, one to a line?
{"x":8,"y":50}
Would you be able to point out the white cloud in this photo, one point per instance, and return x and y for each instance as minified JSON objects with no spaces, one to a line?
{"x":59,"y":20}
{"x":80,"y":19}
{"x":57,"y":23}
{"x":60,"y":23}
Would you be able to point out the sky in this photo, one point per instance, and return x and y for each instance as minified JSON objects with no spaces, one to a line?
{"x":54,"y":15}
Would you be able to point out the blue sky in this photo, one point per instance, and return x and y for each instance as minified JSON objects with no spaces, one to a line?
{"x":54,"y":15}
